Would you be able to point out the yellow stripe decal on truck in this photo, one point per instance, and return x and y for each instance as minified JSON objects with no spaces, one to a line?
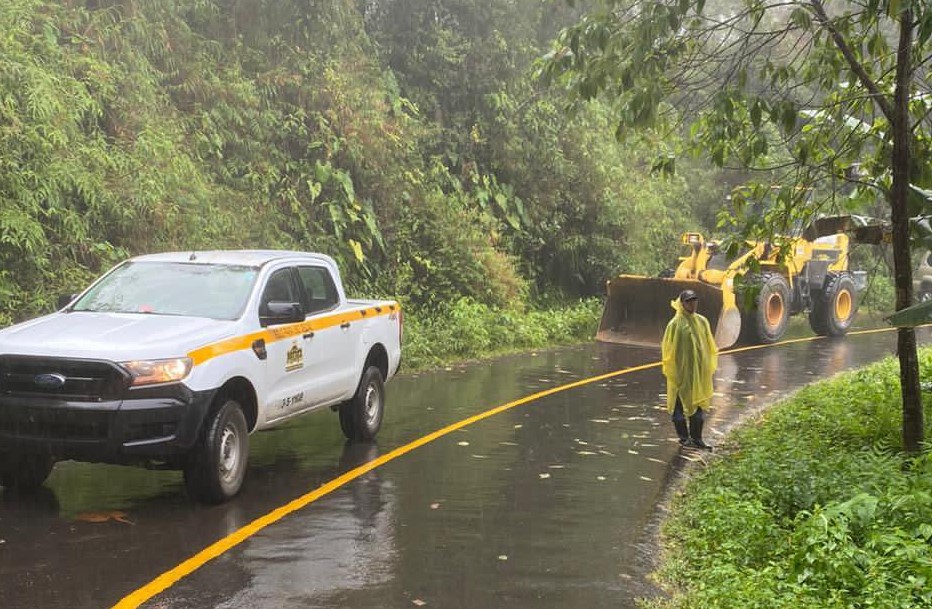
{"x":286,"y":331}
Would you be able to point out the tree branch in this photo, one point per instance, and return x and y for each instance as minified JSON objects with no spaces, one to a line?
{"x":848,"y":54}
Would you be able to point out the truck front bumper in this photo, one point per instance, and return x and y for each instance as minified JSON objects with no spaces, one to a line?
{"x":155,"y":423}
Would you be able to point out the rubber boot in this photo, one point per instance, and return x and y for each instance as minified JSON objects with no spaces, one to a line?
{"x":681,"y":430}
{"x":696,"y":423}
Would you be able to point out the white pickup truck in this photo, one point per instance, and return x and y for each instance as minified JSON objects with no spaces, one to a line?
{"x":174,"y":359}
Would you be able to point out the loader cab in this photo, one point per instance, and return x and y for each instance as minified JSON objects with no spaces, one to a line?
{"x":719,"y":260}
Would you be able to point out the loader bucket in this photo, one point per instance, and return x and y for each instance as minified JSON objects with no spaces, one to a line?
{"x":637,"y":310}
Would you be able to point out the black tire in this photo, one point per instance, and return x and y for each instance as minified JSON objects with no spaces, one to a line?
{"x":361,"y":416}
{"x":833,"y":308}
{"x":766,"y":319}
{"x":25,"y":472}
{"x":924,"y":294}
{"x":215,"y":470}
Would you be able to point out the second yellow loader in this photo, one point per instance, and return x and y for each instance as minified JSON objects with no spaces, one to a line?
{"x":812,"y":275}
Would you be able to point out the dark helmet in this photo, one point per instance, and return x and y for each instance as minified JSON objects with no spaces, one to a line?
{"x":687,"y":295}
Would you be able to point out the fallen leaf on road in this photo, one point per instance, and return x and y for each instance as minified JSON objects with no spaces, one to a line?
{"x":97,"y":517}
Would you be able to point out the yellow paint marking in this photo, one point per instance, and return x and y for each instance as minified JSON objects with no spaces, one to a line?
{"x":170,"y":577}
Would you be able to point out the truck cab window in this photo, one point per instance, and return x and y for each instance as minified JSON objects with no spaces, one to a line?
{"x":279,"y":288}
{"x":318,"y":290}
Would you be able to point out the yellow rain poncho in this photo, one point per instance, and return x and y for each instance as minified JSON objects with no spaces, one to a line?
{"x":689,"y":360}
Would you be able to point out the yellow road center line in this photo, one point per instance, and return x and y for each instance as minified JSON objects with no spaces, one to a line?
{"x":172,"y":576}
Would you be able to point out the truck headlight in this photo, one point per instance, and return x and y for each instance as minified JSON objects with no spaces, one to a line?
{"x":151,"y":372}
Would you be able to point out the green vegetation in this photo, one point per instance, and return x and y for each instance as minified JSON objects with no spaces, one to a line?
{"x":407,"y":139}
{"x":816,"y":506}
{"x":467,"y":330}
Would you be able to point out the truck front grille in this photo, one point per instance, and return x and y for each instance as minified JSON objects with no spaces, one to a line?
{"x":67,"y":379}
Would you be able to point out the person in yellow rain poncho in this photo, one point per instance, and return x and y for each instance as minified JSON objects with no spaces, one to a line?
{"x":689,"y":360}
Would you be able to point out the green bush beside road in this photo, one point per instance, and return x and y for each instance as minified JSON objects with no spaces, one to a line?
{"x":466,"y":329}
{"x":814,"y":506}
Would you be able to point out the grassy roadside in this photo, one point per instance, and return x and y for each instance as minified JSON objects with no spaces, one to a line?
{"x":468,"y":330}
{"x":813,"y":506}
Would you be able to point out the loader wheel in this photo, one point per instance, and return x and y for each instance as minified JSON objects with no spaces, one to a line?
{"x":769,"y":314}
{"x":925,"y":294}
{"x":833,"y":309}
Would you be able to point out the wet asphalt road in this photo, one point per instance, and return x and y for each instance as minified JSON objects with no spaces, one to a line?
{"x":549,"y":504}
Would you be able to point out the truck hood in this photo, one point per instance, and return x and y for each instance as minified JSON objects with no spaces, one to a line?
{"x":113,"y":336}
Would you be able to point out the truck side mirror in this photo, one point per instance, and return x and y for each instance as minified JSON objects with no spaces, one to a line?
{"x":278,"y":312}
{"x":64,"y":300}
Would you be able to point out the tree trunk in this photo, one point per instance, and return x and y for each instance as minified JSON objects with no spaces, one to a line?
{"x":913,"y":426}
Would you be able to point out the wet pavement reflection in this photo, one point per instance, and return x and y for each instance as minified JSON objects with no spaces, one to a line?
{"x":550,"y":504}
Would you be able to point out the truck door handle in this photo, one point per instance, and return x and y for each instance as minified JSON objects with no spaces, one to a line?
{"x":344,"y":325}
{"x":308,"y":336}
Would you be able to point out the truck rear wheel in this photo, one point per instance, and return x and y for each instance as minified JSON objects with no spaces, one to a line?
{"x":834,"y":307}
{"x":361,"y":416}
{"x":25,"y":471}
{"x":215,"y":470}
{"x":766,"y":320}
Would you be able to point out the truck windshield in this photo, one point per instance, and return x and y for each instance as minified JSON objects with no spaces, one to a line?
{"x":172,"y":288}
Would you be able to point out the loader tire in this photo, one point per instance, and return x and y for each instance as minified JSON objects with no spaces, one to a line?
{"x":833,"y":308}
{"x":766,"y":319}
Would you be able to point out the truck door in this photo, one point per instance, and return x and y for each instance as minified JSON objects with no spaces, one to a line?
{"x":289,"y":370}
{"x":335,"y":343}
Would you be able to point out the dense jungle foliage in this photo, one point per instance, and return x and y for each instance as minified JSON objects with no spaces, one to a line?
{"x":408,"y":139}
{"x":816,"y":506}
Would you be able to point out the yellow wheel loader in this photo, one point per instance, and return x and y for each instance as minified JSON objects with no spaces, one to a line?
{"x":812,"y":276}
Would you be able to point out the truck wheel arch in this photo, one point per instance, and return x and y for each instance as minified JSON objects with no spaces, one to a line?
{"x":377,"y":357}
{"x":242,"y":391}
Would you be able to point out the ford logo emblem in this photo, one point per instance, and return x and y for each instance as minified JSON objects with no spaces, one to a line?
{"x":50,"y":380}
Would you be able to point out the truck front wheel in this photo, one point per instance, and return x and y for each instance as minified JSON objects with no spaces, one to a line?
{"x":26,"y":471}
{"x":361,"y":416}
{"x":215,"y":470}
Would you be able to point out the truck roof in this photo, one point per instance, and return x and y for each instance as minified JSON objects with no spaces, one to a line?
{"x":255,"y":258}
